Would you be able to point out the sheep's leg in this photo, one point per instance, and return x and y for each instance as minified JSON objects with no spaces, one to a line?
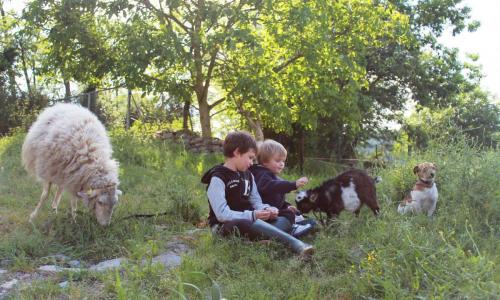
{"x":74,"y":206}
{"x":43,"y":197}
{"x":57,"y":198}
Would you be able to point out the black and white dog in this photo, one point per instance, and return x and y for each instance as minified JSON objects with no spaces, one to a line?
{"x":349,"y":191}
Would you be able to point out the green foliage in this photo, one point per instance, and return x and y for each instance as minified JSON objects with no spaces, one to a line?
{"x":450,"y":255}
{"x":76,"y":40}
{"x":472,"y":115}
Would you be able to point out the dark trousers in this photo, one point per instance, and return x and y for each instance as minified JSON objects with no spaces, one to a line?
{"x":288,"y":214}
{"x":242,"y":227}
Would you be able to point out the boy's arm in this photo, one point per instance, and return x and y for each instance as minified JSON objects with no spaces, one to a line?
{"x":269,"y":185}
{"x":255,"y":198}
{"x":216,"y":193}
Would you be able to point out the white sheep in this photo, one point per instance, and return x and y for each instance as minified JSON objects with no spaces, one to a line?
{"x":67,"y":146}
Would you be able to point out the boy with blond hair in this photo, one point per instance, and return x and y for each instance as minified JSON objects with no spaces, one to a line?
{"x":271,"y":156}
{"x":234,"y":202}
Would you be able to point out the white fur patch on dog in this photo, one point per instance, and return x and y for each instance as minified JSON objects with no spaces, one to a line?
{"x":423,"y":201}
{"x":350,"y":198}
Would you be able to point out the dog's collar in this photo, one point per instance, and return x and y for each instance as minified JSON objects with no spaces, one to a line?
{"x":426,"y":183}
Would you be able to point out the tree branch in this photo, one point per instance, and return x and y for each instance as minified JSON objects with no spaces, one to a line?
{"x":217,"y":112}
{"x":166,"y":16}
{"x":217,"y":102}
{"x":287,"y":63}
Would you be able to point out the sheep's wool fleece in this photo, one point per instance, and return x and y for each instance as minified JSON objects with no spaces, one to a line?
{"x":68,"y":146}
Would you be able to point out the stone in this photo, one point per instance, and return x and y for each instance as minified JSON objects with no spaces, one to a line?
{"x":56,"y":269}
{"x":9,"y":284}
{"x":195,"y":231}
{"x":64,"y":284}
{"x":108,"y":264}
{"x":50,"y":268}
{"x":177,"y":247}
{"x":168,"y":259}
{"x":75,"y":263}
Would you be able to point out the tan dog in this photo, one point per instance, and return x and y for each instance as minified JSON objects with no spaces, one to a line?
{"x":424,"y":196}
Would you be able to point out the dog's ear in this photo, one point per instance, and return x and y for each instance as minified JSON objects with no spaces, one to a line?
{"x":313,"y":197}
{"x":415,"y":169}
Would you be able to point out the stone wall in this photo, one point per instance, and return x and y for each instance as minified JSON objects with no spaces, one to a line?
{"x":191,"y":141}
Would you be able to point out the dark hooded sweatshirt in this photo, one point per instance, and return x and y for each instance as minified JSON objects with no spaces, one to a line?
{"x":272,"y":188}
{"x":231,"y":195}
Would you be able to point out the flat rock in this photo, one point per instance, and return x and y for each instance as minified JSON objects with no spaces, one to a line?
{"x":108,"y":264}
{"x":168,"y":259}
{"x":9,"y":284}
{"x":177,"y":246}
{"x":75,"y":263}
{"x":50,"y":268}
{"x":56,"y":269}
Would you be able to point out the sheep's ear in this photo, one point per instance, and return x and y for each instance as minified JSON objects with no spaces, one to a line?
{"x":435,"y":166}
{"x":313,"y":197}
{"x":84,"y":196}
{"x":118,"y":193}
{"x":415,"y":170}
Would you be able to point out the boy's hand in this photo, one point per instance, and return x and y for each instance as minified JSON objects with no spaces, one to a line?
{"x":301,"y":182}
{"x":274,"y":212}
{"x":293,"y":209}
{"x":263,"y":214}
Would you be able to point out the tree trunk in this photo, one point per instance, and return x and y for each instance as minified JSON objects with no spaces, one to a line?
{"x":25,"y":72}
{"x":67,"y":91}
{"x":185,"y":116}
{"x":129,"y":97}
{"x":206,"y":129}
{"x":256,"y":128}
{"x":10,"y":70}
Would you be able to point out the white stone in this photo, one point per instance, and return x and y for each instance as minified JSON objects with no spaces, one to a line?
{"x":56,"y":269}
{"x":9,"y":284}
{"x":168,"y":259}
{"x":75,"y":263}
{"x":50,"y":268}
{"x":108,"y":264}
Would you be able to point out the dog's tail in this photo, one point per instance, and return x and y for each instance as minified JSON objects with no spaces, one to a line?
{"x":377,"y":179}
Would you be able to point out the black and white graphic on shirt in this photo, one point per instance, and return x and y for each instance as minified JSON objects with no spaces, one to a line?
{"x":247,"y":188}
{"x":233,"y":183}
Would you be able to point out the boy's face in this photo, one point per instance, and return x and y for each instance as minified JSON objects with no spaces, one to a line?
{"x":243,"y":161}
{"x":275,"y":164}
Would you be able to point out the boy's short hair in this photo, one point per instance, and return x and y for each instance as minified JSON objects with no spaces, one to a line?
{"x":241,"y":140}
{"x":268,"y":149}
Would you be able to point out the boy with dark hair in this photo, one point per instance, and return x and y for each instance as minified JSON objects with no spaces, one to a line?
{"x":234,"y":202}
{"x":271,"y":156}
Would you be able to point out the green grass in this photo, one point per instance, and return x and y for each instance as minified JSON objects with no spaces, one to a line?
{"x":451,"y":255}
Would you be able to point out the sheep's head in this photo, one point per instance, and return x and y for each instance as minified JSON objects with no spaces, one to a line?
{"x":102,"y":202}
